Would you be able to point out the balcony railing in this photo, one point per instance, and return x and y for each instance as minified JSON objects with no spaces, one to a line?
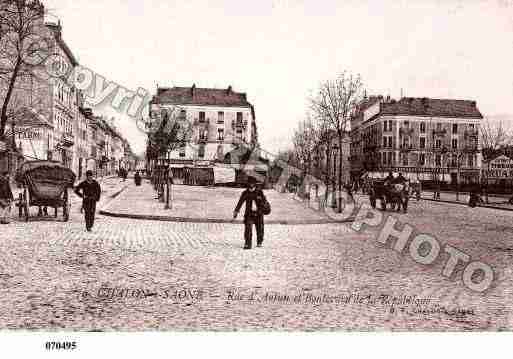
{"x":406,"y":148}
{"x":239,"y":124}
{"x":440,"y":132}
{"x":203,"y":122}
{"x":368,"y":147}
{"x":67,"y":139}
{"x":406,"y":131}
{"x":471,"y":133}
{"x":470,"y":149}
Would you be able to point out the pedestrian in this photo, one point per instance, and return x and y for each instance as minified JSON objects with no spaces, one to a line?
{"x":90,"y":192}
{"x":137,"y":178}
{"x":6,"y":198}
{"x":255,"y":200}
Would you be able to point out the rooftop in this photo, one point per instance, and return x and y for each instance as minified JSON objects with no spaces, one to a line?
{"x":200,"y":96}
{"x":416,"y":106}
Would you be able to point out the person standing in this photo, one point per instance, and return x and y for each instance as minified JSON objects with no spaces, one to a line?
{"x":90,"y":192}
{"x":137,"y":178}
{"x":6,"y":198}
{"x":252,"y":197}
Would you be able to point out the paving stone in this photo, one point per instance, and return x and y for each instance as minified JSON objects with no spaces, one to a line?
{"x":51,"y":274}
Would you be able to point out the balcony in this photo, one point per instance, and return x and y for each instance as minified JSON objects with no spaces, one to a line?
{"x":406,"y":148}
{"x":471,"y":133}
{"x":406,"y":131}
{"x":370,"y":147}
{"x":440,"y":132}
{"x":239,"y":124}
{"x":201,"y":122}
{"x":67,"y":139}
{"x":470,"y":149}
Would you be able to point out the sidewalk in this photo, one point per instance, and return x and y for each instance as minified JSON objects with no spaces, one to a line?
{"x":206,"y":205}
{"x":494,"y":202}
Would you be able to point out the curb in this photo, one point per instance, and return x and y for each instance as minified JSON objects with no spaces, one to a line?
{"x":103,"y":211}
{"x":112,"y":197}
{"x":218,"y":220}
{"x":465,"y":204}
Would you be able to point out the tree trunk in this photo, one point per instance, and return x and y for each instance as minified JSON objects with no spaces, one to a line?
{"x":340,"y":160}
{"x":328,"y":172}
{"x":8,"y":95}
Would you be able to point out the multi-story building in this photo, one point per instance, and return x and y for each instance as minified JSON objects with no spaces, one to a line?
{"x":431,"y":139}
{"x":220,"y":120}
{"x":82,"y":142}
{"x":64,"y":100}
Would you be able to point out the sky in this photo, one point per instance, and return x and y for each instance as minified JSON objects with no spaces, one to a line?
{"x":279,"y":51}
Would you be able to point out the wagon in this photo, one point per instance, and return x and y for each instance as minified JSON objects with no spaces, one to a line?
{"x":45,"y":184}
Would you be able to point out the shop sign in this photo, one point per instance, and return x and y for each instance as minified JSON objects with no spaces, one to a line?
{"x":500,"y":167}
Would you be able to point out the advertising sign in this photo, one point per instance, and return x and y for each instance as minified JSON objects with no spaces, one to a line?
{"x":224,"y":175}
{"x":500,"y":167}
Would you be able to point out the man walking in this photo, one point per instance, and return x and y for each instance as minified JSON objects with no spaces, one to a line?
{"x":90,"y":192}
{"x":6,"y":198}
{"x":252,"y":197}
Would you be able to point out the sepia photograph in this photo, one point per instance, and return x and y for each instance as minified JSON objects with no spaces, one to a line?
{"x":255,"y":167}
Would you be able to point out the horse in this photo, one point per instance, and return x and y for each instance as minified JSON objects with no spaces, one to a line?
{"x":395,"y":194}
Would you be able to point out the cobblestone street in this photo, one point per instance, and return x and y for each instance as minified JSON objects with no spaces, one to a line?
{"x":140,"y":275}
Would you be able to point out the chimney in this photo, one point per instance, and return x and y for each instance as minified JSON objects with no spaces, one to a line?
{"x":193,"y":89}
{"x":229,"y":89}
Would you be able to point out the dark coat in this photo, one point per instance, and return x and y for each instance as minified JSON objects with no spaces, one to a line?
{"x":246,"y":198}
{"x":89,"y":191}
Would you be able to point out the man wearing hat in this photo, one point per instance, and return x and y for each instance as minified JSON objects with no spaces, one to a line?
{"x":90,"y":192}
{"x":6,"y":197}
{"x":252,"y":197}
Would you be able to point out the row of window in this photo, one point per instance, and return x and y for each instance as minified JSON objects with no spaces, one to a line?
{"x":63,"y":123}
{"x":201,"y":151}
{"x":202,"y":116}
{"x":387,"y":142}
{"x":388,"y":158}
{"x":64,"y":94}
{"x":203,"y":134}
{"x":387,"y":126}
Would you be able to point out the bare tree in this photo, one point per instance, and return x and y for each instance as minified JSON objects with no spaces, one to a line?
{"x":332,"y":105}
{"x":494,"y":137}
{"x":25,"y":44}
{"x":305,"y":139}
{"x":168,"y":132}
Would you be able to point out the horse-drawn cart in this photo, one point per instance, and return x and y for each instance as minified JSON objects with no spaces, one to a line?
{"x":396,"y":195}
{"x":45,"y":184}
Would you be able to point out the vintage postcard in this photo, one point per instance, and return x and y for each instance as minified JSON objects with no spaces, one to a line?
{"x":270,"y":166}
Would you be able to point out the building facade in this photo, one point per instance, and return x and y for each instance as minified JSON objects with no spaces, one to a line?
{"x":218,"y":120}
{"x":48,"y":120}
{"x":424,"y":138}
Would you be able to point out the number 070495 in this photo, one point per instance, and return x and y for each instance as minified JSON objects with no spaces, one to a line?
{"x":60,"y":345}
